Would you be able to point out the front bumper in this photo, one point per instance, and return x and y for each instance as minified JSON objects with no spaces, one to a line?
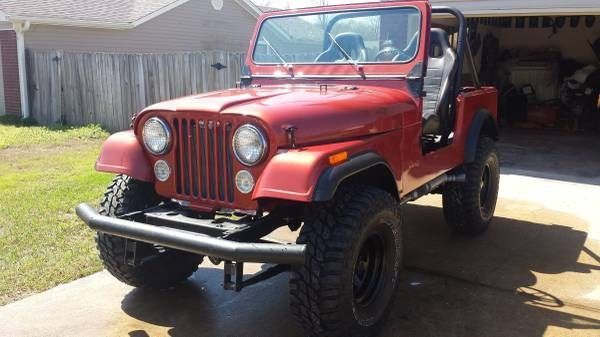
{"x":204,"y":240}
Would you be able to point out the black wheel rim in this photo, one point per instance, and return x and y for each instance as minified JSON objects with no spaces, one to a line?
{"x":368,"y":270}
{"x":485,"y":194}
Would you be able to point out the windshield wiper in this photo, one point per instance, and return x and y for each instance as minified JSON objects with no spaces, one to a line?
{"x":357,"y":66}
{"x":288,"y":67}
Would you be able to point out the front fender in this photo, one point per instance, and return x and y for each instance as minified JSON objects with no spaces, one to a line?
{"x":294,"y":174}
{"x":122,"y":153}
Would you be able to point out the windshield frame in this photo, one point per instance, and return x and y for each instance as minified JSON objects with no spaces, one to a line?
{"x":330,"y":25}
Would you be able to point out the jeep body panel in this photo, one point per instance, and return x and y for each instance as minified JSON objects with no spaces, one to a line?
{"x":343,"y":111}
{"x":122,"y":153}
{"x":419,"y":168}
{"x":344,"y":114}
{"x":386,"y":122}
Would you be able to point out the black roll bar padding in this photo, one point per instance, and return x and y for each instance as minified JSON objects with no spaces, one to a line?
{"x":461,"y":42}
{"x":193,"y":242}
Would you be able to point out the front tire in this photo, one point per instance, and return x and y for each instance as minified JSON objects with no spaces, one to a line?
{"x":354,"y":256}
{"x":469,"y":207}
{"x":154,"y":267}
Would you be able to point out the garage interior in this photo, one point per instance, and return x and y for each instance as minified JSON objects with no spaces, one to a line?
{"x":547,"y":72}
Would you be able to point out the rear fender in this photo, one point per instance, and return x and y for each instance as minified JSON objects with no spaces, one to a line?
{"x":122,"y":153}
{"x":483,"y":123}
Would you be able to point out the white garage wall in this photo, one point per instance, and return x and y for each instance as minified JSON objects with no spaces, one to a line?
{"x":493,"y":8}
{"x":572,"y":42}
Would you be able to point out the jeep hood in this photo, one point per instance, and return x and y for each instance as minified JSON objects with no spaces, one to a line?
{"x":320,"y":114}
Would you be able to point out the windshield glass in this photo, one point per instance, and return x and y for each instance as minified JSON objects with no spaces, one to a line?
{"x":366,"y":36}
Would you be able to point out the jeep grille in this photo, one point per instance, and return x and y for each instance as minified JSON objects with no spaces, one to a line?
{"x":204,"y":159}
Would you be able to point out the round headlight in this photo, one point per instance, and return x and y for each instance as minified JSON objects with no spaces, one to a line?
{"x":244,"y":181}
{"x":156,"y":135}
{"x":249,"y":144}
{"x":162,"y":171}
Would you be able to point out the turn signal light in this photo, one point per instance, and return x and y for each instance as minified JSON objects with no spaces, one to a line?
{"x":338,"y":158}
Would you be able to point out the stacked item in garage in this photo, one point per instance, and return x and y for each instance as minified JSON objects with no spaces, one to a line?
{"x":547,"y":69}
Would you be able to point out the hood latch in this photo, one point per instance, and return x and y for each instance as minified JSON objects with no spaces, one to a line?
{"x":290,"y":130}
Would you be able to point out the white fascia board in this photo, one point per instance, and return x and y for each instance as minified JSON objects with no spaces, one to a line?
{"x":249,"y":6}
{"x":70,"y":23}
{"x":159,"y":12}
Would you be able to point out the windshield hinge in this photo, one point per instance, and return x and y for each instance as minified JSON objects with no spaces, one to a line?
{"x":416,"y":79}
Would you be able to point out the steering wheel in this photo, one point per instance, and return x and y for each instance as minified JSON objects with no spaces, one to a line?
{"x":402,"y":56}
{"x":391,"y":55}
{"x":387,"y":54}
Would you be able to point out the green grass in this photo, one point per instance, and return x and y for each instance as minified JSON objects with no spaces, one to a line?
{"x":15,"y":132}
{"x":44,"y":174}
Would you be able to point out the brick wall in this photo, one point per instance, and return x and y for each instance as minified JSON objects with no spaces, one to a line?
{"x":10,"y":67}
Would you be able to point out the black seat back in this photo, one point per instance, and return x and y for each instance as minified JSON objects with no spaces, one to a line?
{"x":352,"y":43}
{"x":438,"y":82}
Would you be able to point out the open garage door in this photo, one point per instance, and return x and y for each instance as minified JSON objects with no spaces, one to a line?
{"x":544,"y":58}
{"x":498,"y":8}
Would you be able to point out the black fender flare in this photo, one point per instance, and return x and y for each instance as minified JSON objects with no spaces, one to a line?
{"x":332,"y":177}
{"x":482,"y":122}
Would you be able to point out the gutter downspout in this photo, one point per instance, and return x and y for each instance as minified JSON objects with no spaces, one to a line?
{"x":20,"y":28}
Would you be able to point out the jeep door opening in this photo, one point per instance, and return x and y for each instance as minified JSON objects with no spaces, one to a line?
{"x":346,"y":113}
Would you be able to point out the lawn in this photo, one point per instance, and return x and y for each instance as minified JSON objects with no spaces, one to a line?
{"x":44,"y":174}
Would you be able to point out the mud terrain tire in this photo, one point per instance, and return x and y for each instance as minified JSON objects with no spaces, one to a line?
{"x":158,"y":268}
{"x":354,"y":257}
{"x":469,"y":207}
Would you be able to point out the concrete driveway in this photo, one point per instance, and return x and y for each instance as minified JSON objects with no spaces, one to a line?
{"x":536,"y":272}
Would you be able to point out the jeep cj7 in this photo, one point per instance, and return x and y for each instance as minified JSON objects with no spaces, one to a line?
{"x":344,"y":114}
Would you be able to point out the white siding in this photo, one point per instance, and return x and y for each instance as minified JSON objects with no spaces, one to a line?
{"x":193,"y":26}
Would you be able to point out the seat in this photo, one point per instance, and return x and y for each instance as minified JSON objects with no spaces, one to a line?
{"x":352,"y":43}
{"x":438,"y":82}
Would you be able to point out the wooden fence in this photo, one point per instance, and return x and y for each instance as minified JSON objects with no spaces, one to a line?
{"x":107,"y":89}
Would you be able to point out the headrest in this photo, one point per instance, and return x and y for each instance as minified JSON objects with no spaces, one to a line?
{"x":439,"y":38}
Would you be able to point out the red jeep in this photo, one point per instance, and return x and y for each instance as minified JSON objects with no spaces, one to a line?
{"x":346,"y":113}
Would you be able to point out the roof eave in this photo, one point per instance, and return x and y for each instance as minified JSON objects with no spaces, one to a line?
{"x":250,"y":7}
{"x":70,"y":23}
{"x":90,"y":23}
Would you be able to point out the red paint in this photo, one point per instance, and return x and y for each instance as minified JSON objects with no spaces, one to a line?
{"x":333,"y":115}
{"x":123,"y":154}
{"x":350,"y":113}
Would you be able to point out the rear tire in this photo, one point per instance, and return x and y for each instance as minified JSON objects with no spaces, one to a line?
{"x":469,"y":207}
{"x":157,"y":267}
{"x":354,"y":256}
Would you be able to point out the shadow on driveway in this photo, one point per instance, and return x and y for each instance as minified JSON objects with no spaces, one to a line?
{"x":519,"y":279}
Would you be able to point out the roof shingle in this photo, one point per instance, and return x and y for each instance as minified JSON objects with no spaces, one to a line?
{"x":105,"y":11}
